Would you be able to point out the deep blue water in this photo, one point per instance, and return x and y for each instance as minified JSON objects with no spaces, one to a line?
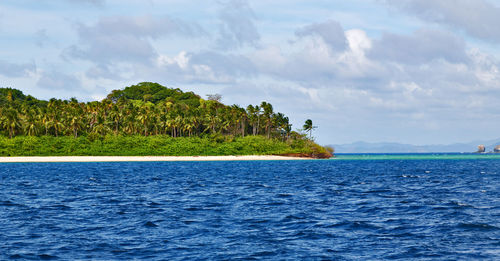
{"x":323,"y":209}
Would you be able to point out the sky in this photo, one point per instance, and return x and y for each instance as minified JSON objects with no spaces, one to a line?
{"x":409,"y":71}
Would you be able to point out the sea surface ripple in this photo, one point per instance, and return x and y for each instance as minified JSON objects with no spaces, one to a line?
{"x":313,"y":209}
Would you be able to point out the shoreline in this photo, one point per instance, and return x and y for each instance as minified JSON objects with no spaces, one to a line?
{"x":35,"y":159}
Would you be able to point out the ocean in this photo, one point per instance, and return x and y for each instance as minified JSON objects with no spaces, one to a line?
{"x":418,"y":207}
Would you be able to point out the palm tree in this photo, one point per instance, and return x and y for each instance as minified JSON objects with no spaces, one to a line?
{"x":242,"y":116}
{"x":144,"y":117}
{"x":74,"y":117}
{"x":46,"y":122}
{"x":283,"y":124}
{"x":145,"y":114}
{"x":253,"y":113}
{"x":11,"y":121}
{"x":268,"y":116}
{"x":115,"y":116}
{"x":30,"y":122}
{"x":308,"y":127}
{"x":57,"y":124}
{"x":211,"y":116}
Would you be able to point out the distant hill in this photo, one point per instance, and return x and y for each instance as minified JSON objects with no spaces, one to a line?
{"x":391,"y":147}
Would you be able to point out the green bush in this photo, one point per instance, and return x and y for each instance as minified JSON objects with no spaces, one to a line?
{"x":117,"y":145}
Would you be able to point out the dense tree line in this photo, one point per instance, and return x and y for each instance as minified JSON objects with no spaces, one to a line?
{"x":144,"y":109}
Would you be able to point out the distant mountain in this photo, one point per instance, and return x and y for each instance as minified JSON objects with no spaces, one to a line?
{"x":391,"y":147}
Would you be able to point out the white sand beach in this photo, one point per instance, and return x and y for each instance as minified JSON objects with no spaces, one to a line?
{"x":143,"y":158}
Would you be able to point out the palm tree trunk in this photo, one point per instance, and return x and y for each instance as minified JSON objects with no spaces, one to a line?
{"x":258,"y":125}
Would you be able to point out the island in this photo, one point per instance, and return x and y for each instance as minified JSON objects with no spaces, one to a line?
{"x":148,"y":119}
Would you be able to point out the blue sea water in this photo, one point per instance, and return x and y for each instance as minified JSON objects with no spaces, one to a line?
{"x":341,"y":209}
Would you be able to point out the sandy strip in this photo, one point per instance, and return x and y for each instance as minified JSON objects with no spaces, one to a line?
{"x":141,"y":158}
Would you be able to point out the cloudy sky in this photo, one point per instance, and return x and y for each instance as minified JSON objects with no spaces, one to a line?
{"x":411,"y":71}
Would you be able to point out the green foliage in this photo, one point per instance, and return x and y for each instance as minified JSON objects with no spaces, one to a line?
{"x":7,"y":94}
{"x":144,"y":119}
{"x":117,"y":145}
{"x":308,"y":127}
{"x":154,"y":92}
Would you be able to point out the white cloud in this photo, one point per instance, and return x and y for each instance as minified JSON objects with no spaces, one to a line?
{"x":121,"y":39}
{"x":203,"y":67}
{"x":422,"y":46}
{"x":331,"y":32}
{"x":237,"y":28}
{"x":478,"y":18}
{"x":15,"y":69}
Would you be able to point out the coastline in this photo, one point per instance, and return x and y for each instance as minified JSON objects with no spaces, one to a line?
{"x":35,"y":159}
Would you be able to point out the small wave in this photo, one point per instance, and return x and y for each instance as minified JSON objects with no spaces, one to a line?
{"x":214,"y":205}
{"x":285,"y":195}
{"x":457,"y":204}
{"x":47,"y":257}
{"x":193,"y":209}
{"x":410,"y":176}
{"x":25,"y":184}
{"x":9,"y":203}
{"x":56,"y":207}
{"x":93,"y":228}
{"x":150,"y":224}
{"x":60,"y":207}
{"x":35,"y":236}
{"x":354,"y":225}
{"x":477,"y":226}
{"x":292,"y":217}
{"x":377,"y":191}
{"x":16,"y":256}
{"x":274,"y":203}
{"x":256,"y":221}
{"x":153,"y":204}
{"x":263,"y":253}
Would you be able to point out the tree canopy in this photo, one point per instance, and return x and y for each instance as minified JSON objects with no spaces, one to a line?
{"x":143,"y":109}
{"x":139,"y":119}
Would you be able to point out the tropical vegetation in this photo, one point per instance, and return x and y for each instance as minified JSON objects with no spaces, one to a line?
{"x":145,"y":119}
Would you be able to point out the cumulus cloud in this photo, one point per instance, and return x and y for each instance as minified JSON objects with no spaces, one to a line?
{"x":229,"y":64}
{"x":330,"y":31}
{"x":409,"y":78}
{"x":237,"y":28}
{"x":126,"y":39}
{"x":12,"y":70}
{"x":204,"y":67}
{"x":478,"y":18}
{"x":423,"y":46}
{"x":313,"y":63}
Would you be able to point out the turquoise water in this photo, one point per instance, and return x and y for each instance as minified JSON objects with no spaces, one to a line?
{"x":423,"y":156}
